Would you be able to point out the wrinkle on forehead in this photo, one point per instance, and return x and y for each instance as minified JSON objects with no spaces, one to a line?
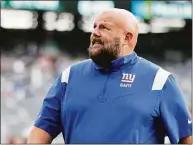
{"x":123,"y":19}
{"x":104,"y":21}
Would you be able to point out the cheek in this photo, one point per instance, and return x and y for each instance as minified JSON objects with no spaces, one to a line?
{"x":91,"y":37}
{"x":110,"y":40}
{"x":107,"y":38}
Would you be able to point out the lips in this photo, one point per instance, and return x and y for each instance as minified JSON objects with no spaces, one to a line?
{"x":97,"y":45}
{"x":97,"y":41}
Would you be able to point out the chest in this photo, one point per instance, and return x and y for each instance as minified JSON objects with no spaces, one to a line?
{"x":110,"y":96}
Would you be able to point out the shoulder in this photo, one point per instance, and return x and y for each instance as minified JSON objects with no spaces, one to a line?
{"x":159,"y":74}
{"x":82,"y":64}
{"x":160,"y":79}
{"x":75,"y":68}
{"x":147,"y":65}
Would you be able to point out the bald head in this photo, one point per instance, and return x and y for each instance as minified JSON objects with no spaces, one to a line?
{"x":115,"y":35}
{"x":126,"y":19}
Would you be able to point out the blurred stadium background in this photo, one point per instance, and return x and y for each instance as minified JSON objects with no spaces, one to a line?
{"x":39,"y":39}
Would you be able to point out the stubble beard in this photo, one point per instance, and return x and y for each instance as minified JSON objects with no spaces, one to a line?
{"x":106,"y":54}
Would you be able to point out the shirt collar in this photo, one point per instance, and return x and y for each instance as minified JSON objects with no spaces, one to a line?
{"x":118,"y":63}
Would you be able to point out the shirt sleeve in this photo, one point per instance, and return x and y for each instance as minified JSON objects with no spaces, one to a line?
{"x":174,"y":113}
{"x":49,"y":118}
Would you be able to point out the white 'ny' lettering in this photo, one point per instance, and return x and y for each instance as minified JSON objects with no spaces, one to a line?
{"x":129,"y":78}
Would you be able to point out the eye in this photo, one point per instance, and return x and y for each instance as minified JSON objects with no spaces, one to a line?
{"x":104,"y":27}
{"x":94,"y":26}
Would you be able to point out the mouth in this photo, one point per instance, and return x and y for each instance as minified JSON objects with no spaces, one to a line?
{"x":97,"y":42}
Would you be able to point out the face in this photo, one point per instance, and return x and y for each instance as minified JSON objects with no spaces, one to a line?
{"x":105,"y":42}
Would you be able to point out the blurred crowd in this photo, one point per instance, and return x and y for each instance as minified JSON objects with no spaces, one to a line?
{"x":26,"y":78}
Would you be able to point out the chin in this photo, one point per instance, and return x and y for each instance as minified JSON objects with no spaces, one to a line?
{"x":95,"y":51}
{"x":100,"y":57}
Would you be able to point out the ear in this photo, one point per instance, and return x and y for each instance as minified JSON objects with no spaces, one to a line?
{"x":129,"y":39}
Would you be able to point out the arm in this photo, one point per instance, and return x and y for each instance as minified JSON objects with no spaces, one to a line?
{"x":174,"y":113}
{"x":186,"y":140}
{"x":49,"y":125}
{"x":38,"y":135}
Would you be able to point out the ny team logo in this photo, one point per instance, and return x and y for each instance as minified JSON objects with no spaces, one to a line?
{"x":127,"y":80}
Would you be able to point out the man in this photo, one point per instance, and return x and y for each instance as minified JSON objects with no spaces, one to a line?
{"x":114,"y":97}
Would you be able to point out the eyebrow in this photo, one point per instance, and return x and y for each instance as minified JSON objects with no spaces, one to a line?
{"x":103,"y":23}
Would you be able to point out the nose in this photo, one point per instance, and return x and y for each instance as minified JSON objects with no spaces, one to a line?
{"x":96,"y":32}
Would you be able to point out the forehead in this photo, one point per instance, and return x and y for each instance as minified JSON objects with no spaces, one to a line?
{"x":107,"y":19}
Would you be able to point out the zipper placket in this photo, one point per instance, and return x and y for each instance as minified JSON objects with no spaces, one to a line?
{"x":101,"y":97}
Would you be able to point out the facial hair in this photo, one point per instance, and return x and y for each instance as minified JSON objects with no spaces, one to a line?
{"x":106,"y":54}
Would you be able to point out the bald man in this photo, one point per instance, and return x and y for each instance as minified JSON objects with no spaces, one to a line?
{"x":114,"y":97}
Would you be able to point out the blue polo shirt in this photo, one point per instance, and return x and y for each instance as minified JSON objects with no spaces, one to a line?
{"x":133,"y":101}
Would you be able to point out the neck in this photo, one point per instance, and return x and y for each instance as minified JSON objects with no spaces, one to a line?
{"x":125,"y":51}
{"x":116,"y":64}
